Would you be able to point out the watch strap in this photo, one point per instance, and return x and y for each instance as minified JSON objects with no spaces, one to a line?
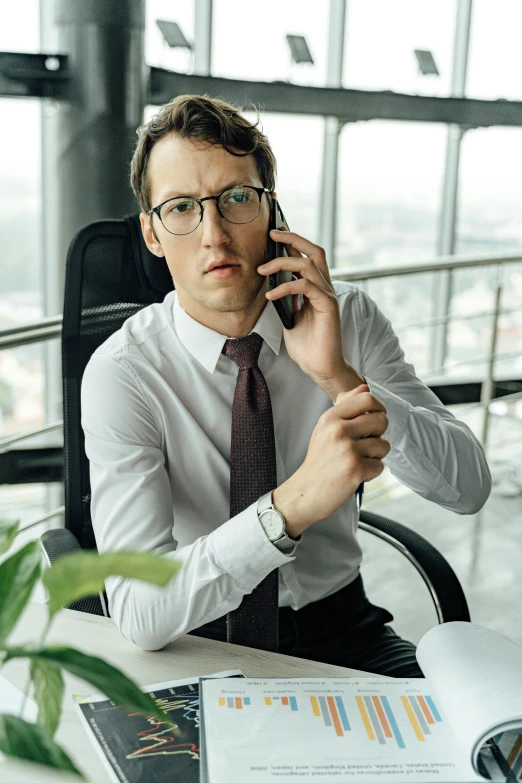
{"x":285,"y":544}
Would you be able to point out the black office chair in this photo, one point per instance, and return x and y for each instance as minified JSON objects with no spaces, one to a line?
{"x":111,"y":275}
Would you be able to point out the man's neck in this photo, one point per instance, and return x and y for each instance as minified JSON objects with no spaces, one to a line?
{"x":233,"y":324}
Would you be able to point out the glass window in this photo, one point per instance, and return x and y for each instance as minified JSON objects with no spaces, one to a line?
{"x":298,"y":185}
{"x":20,"y":28}
{"x":495,"y":60}
{"x":21,"y":389}
{"x":389,"y":191}
{"x":157,"y":52}
{"x":381,"y":38}
{"x":250,"y":44}
{"x":490,"y":191}
{"x":20,"y":179}
{"x":408,"y":301}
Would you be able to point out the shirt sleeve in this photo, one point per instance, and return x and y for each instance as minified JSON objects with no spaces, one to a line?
{"x":132,"y":509}
{"x":432,"y":452}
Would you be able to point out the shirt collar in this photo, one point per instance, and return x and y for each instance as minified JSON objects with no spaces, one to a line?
{"x":206,"y":345}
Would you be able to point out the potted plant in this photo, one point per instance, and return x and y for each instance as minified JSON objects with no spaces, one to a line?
{"x":70,"y":578}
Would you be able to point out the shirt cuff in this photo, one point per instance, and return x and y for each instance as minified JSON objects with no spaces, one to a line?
{"x":397,"y":411}
{"x":242,"y":549}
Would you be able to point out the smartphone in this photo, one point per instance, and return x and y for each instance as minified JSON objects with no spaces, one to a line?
{"x":285,"y":305}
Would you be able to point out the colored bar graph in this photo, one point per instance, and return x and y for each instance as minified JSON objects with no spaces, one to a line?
{"x":335,"y":716}
{"x":382,"y":717}
{"x":393,"y":723}
{"x":418,"y":714}
{"x":342,"y":713}
{"x":375,"y":721}
{"x":425,"y":709}
{"x":332,"y":711}
{"x":285,"y":701}
{"x":236,"y":703}
{"x":413,"y":720}
{"x":433,"y":709}
{"x":324,"y":709}
{"x":365,"y":718}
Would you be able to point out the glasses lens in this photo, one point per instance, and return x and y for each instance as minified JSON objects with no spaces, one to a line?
{"x":180,"y":215}
{"x":239,"y":204}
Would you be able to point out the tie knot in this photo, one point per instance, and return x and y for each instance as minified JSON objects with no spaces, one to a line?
{"x":244,"y":350}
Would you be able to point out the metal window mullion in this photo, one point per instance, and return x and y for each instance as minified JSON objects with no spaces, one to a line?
{"x":203,"y":37}
{"x":332,"y":130}
{"x":449,"y":206}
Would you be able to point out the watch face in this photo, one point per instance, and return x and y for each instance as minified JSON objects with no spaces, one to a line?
{"x":273,"y":525}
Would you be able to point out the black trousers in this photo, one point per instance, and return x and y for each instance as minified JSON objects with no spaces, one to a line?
{"x":344,"y":629}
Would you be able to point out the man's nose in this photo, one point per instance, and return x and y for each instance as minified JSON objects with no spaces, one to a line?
{"x":214,"y":226}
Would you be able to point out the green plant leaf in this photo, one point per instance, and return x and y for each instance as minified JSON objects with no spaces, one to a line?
{"x":84,"y":573}
{"x":18,"y":575}
{"x":106,"y":678}
{"x":8,"y":531}
{"x":48,"y":691}
{"x":30,"y":742}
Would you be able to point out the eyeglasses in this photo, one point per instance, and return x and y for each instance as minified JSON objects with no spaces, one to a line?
{"x":183,"y":214}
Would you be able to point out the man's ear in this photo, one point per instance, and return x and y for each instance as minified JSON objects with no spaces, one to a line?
{"x":149,"y":235}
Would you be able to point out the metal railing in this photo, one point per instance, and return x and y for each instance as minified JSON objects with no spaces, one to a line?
{"x":5,"y":442}
{"x":34,"y":332}
{"x":451,"y":264}
{"x":50,"y":328}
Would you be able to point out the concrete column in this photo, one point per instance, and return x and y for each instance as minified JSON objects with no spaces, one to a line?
{"x":97,"y":128}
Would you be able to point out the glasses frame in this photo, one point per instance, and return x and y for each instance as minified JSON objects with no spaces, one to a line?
{"x":157,"y":210}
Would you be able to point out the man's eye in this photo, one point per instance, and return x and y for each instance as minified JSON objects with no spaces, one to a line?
{"x":180,"y":207}
{"x":239,"y":197}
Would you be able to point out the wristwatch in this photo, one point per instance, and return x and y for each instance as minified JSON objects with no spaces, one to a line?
{"x":273,"y":523}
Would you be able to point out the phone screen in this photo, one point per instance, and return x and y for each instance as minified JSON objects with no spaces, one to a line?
{"x":285,"y":305}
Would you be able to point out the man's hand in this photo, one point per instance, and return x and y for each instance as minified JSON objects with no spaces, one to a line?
{"x":345,"y":449}
{"x":315,"y":343}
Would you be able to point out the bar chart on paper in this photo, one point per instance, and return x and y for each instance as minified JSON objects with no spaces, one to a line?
{"x":303,"y":726}
{"x":376,"y":714}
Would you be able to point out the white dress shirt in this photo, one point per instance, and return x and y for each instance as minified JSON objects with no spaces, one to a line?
{"x":157,"y":412}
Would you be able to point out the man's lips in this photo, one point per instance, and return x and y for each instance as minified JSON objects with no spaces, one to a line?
{"x":224,"y":271}
{"x":219,"y":265}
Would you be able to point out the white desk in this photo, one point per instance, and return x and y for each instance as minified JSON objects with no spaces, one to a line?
{"x":188,"y":656}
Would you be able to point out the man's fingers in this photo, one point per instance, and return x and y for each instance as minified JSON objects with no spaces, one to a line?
{"x":349,"y":404}
{"x":372,"y":468}
{"x":365,"y":426}
{"x":373,"y":448}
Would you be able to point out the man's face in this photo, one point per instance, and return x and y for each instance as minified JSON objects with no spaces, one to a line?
{"x":182,"y":167}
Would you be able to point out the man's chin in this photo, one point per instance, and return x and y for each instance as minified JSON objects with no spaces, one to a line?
{"x":232,"y":300}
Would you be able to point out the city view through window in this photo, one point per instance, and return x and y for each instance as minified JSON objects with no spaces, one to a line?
{"x":390,"y":174}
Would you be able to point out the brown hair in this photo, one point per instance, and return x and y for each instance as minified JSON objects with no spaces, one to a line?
{"x":203,"y":119}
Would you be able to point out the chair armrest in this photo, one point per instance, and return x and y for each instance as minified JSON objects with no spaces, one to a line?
{"x":57,"y":544}
{"x":439,"y":577}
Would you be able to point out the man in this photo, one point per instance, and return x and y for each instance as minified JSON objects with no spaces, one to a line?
{"x":170,"y":417}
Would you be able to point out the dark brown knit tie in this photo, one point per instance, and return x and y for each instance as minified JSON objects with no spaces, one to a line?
{"x":252,"y":474}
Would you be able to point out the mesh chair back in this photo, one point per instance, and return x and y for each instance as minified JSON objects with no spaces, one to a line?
{"x":110,"y":275}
